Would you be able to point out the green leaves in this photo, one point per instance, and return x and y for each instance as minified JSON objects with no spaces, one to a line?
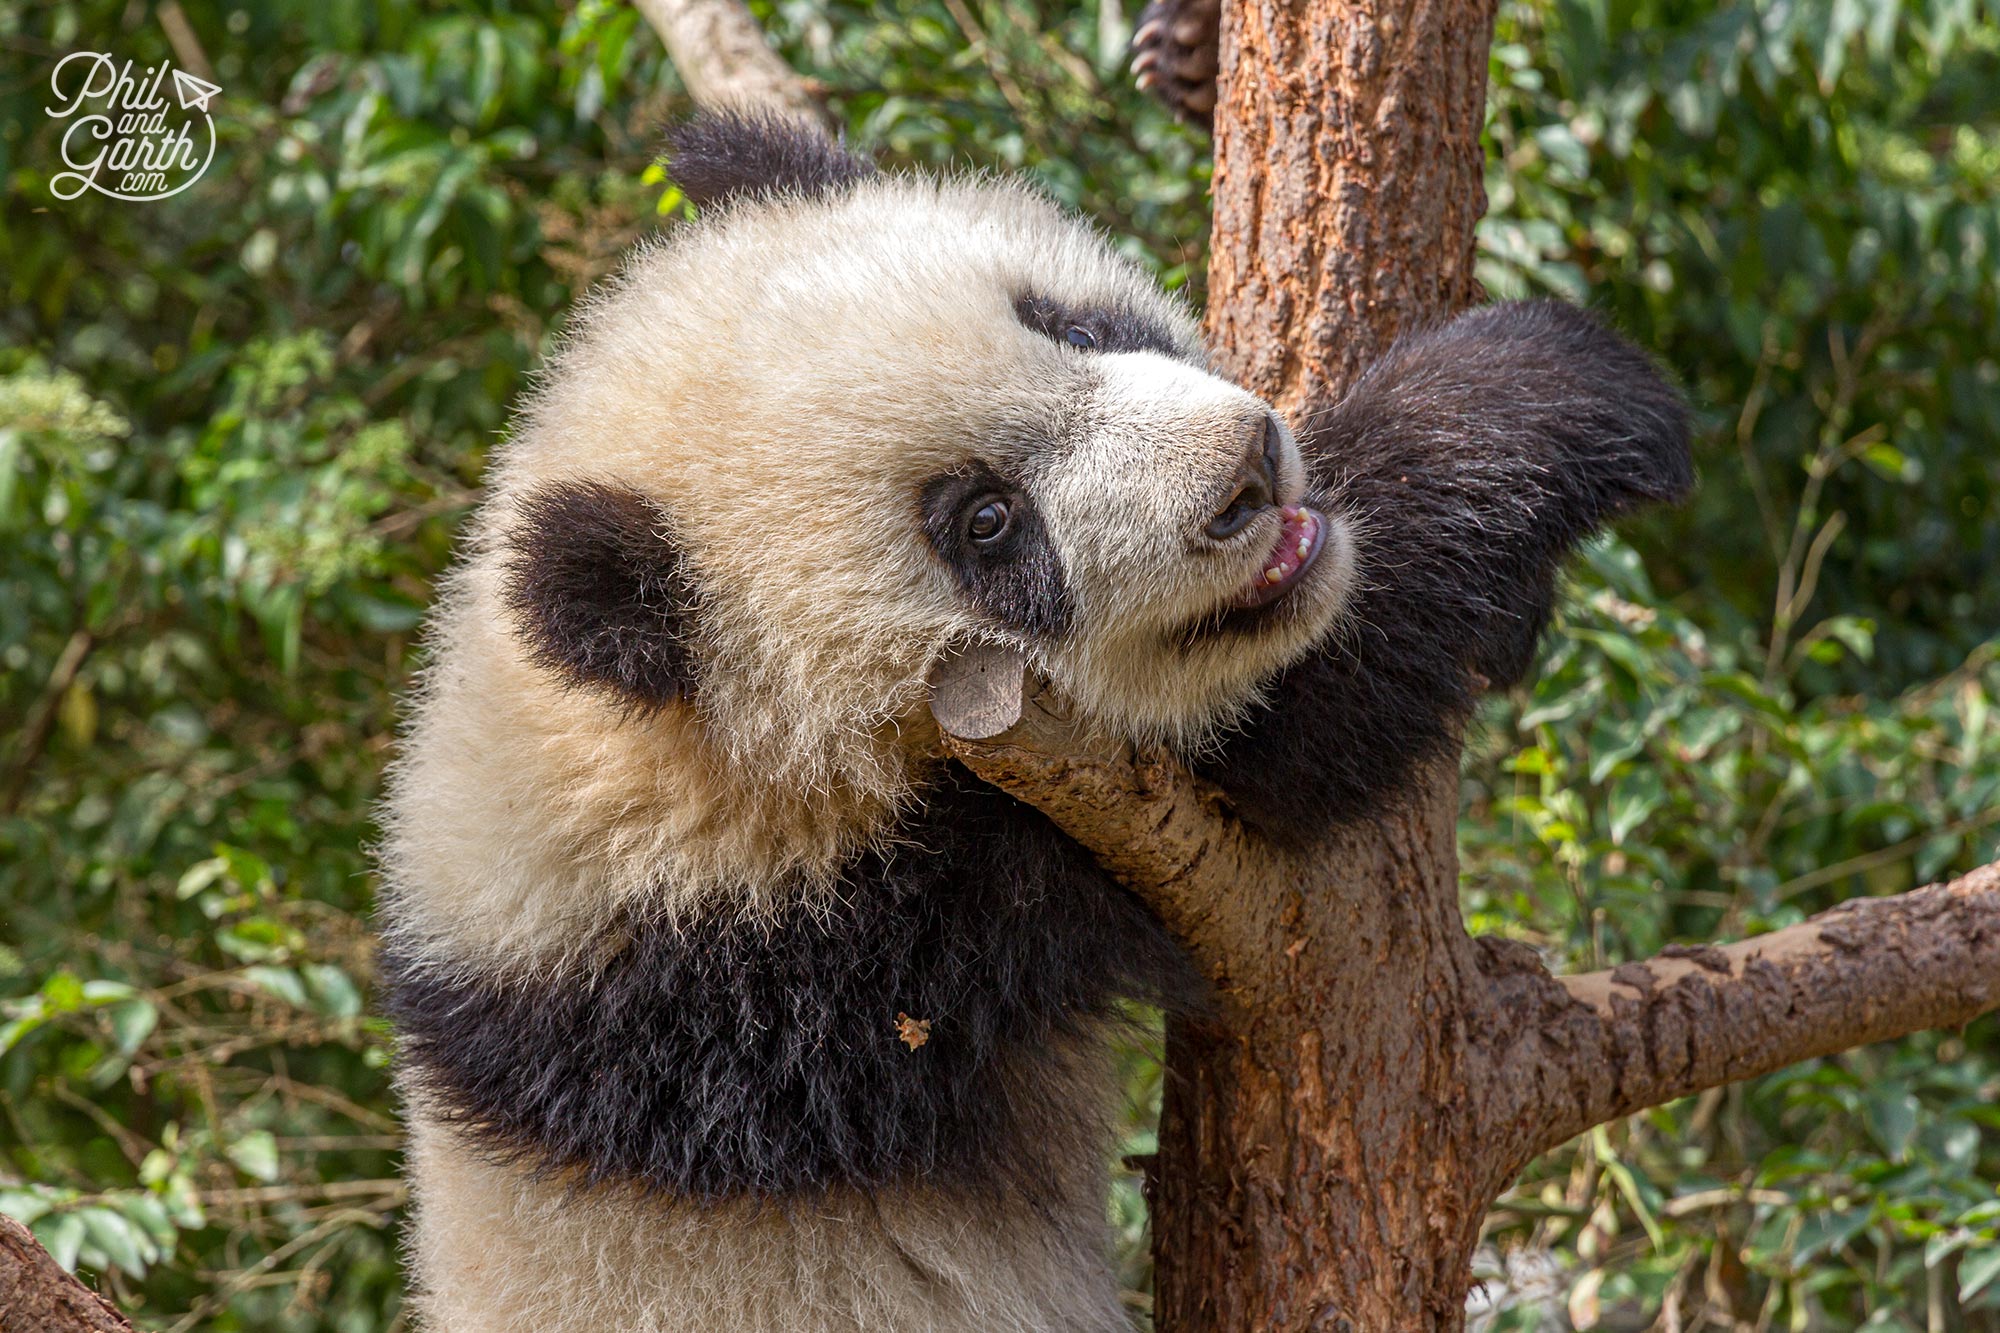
{"x":1663,"y":780}
{"x":255,"y":1154}
{"x":1796,"y":205}
{"x":129,"y":1230}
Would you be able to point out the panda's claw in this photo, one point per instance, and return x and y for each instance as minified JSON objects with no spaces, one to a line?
{"x":1174,"y":56}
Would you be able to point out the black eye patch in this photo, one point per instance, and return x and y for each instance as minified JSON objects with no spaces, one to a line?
{"x":1098,"y":328}
{"x":1016,"y":576}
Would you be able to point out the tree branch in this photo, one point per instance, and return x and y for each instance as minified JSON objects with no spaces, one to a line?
{"x":1154,"y":825}
{"x":1556,"y":1055}
{"x":35,"y":1292}
{"x":724,"y":60}
{"x":1646,"y":1033}
{"x":41,"y":726}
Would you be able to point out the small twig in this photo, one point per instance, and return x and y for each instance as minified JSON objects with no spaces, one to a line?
{"x":260,"y":1195}
{"x":975,"y":34}
{"x":216,"y":1299}
{"x":134,"y":1147}
{"x":1883,"y":856}
{"x":1746,"y":446}
{"x":340,"y":1143}
{"x":333,"y":1101}
{"x":1724,"y":1198}
{"x":181,"y":36}
{"x":1828,"y":458}
{"x":42,"y":721}
{"x":1815,"y":557}
{"x":404,"y":521}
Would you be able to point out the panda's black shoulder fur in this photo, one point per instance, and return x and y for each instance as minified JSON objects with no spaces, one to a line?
{"x":1474,"y":456}
{"x":730,"y":1057}
{"x":718,"y":157}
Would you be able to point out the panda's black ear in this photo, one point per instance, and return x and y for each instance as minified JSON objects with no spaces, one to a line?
{"x":601,"y":594}
{"x":721,"y":156}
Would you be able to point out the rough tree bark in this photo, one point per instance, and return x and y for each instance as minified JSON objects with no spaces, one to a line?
{"x":1322,"y":1164}
{"x":37,"y":1296}
{"x":1348,"y":181}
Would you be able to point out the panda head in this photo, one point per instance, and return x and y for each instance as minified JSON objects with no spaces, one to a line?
{"x":850,"y":422}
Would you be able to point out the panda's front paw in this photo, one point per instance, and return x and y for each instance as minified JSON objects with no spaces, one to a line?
{"x":1173,"y":55}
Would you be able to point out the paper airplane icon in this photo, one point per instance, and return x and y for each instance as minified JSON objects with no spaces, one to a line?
{"x":193,"y":92}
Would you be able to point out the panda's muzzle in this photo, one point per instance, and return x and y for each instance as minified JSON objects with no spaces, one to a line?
{"x":1301,"y":532}
{"x":1256,"y":484}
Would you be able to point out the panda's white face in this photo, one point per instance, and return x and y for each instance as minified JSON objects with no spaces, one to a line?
{"x":789,"y":461}
{"x":1196,"y":567}
{"x":882,"y":426}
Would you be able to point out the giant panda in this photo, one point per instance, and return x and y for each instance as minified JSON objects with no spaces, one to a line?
{"x":725,"y":1001}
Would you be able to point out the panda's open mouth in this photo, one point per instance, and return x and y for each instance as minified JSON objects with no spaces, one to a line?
{"x":1301,"y":537}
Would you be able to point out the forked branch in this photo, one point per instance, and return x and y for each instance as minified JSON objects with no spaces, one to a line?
{"x":1561,"y":1054}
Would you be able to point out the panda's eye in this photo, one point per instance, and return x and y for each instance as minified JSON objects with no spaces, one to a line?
{"x":1078,"y":336}
{"x":989,"y":522}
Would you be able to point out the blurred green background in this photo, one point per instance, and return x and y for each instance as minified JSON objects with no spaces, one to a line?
{"x":237,"y":428}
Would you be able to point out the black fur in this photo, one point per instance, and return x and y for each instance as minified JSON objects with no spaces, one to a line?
{"x":601,"y":594}
{"x":1112,"y":330}
{"x":1475,"y":456}
{"x":730,"y":1058}
{"x":719,"y":157}
{"x":1180,"y":36}
{"x":1019,"y":581}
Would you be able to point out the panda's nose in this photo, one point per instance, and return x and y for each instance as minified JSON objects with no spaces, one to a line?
{"x":1255,"y":486}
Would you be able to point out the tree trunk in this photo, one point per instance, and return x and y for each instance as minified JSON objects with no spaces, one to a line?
{"x":1348,"y":180}
{"x":1374,"y":1078}
{"x":1319,"y":1166}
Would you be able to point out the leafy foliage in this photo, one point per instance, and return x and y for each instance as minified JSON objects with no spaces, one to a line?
{"x":236,"y":428}
{"x":1796,"y":205}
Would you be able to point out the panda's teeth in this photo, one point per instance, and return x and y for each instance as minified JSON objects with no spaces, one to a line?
{"x":1304,"y":548}
{"x":1274,"y":575}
